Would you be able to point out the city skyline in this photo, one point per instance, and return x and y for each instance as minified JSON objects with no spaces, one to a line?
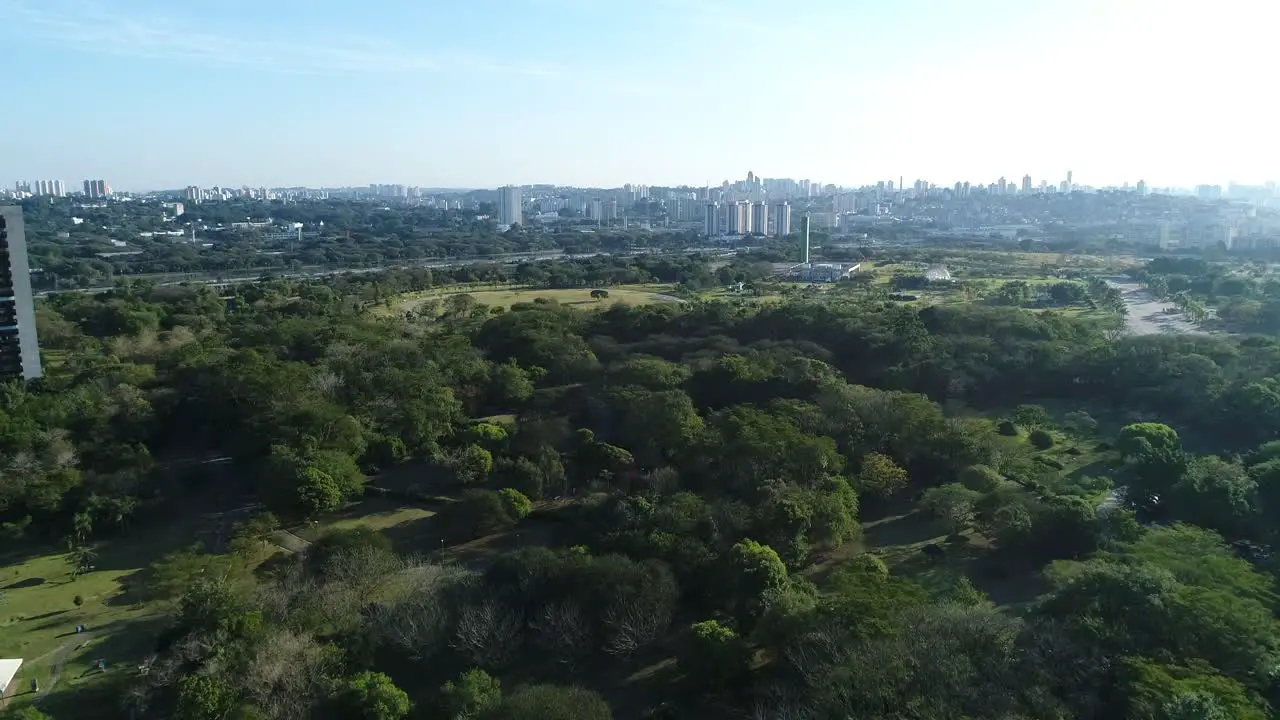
{"x":517,"y":91}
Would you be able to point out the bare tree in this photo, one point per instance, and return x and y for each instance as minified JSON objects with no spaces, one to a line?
{"x":631,"y":626}
{"x":488,"y":632}
{"x":563,"y":630}
{"x":287,"y":674}
{"x":814,"y":651}
{"x":419,"y":620}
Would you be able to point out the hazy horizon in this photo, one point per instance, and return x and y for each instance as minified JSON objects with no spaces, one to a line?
{"x":148,"y":95}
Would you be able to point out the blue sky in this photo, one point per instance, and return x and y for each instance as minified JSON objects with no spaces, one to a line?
{"x":155,"y":94}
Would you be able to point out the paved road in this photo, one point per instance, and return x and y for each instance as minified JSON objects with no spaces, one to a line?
{"x":1147,"y":314}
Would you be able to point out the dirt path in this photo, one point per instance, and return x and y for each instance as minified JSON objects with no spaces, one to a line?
{"x":289,"y":541}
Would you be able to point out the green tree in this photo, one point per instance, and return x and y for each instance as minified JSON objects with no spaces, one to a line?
{"x":317,"y":492}
{"x":1040,"y":439}
{"x":980,"y":478}
{"x":1031,"y":417}
{"x":472,"y":464}
{"x":516,"y":504}
{"x":952,"y":504}
{"x":1140,"y":439}
{"x":373,"y":696}
{"x":757,"y":574}
{"x":713,"y":656}
{"x":881,"y":476}
{"x":473,"y":693}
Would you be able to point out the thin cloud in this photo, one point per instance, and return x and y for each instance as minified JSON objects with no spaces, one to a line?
{"x":90,"y":29}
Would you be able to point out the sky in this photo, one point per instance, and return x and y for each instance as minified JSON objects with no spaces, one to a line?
{"x":156,"y":94}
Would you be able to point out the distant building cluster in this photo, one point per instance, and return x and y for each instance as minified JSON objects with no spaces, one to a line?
{"x":746,"y":218}
{"x":96,"y":189}
{"x":41,"y":188}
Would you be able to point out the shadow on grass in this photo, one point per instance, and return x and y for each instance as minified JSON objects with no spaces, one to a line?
{"x":910,"y":529}
{"x":42,"y":616}
{"x":25,"y":583}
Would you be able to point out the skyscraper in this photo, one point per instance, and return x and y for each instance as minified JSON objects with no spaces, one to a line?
{"x":782,"y":219}
{"x":804,"y":229}
{"x":1142,"y":187}
{"x":19,"y":351}
{"x":1003,"y":185}
{"x":711,"y":221}
{"x":509,"y":210}
{"x":739,"y":218}
{"x":759,"y":218}
{"x":1026,"y":184}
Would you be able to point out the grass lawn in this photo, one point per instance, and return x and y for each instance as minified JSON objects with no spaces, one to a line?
{"x":38,"y":616}
{"x":380,"y":514}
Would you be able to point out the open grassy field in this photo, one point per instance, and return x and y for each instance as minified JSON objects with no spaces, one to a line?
{"x":506,"y":297}
{"x":38,"y":616}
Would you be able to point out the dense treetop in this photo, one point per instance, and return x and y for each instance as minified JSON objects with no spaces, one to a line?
{"x":689,"y":487}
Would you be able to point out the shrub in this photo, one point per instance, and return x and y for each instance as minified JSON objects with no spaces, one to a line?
{"x":1006,"y":427}
{"x":1050,"y":462}
{"x":517,"y":505}
{"x":980,"y":478}
{"x":78,"y":600}
{"x":1040,"y":439}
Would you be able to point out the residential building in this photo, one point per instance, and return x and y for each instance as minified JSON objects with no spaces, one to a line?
{"x":95,"y":189}
{"x":759,"y":218}
{"x":1026,"y":184}
{"x":711,"y":221}
{"x":19,"y":349}
{"x":739,"y":218}
{"x":509,"y":210}
{"x":782,"y":219}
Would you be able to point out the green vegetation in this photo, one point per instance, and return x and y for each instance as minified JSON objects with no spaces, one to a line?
{"x":297,"y":504}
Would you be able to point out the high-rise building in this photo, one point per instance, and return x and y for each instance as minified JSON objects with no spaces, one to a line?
{"x":739,"y":218}
{"x":1070,"y":184}
{"x":1003,"y":185}
{"x":782,"y":219}
{"x":509,"y":211}
{"x":1026,"y":184}
{"x":804,"y":230}
{"x":194,"y":193}
{"x":759,"y":218}
{"x":19,"y":350}
{"x":59,"y":188}
{"x":1142,"y":187}
{"x":94,"y":189}
{"x":711,"y":220}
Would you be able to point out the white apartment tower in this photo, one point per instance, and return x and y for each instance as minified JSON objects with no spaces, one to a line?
{"x":782,"y":219}
{"x":759,"y":218}
{"x":19,"y":350}
{"x":509,"y":211}
{"x":739,"y":218}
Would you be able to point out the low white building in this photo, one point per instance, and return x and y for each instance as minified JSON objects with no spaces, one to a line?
{"x":8,"y":670}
